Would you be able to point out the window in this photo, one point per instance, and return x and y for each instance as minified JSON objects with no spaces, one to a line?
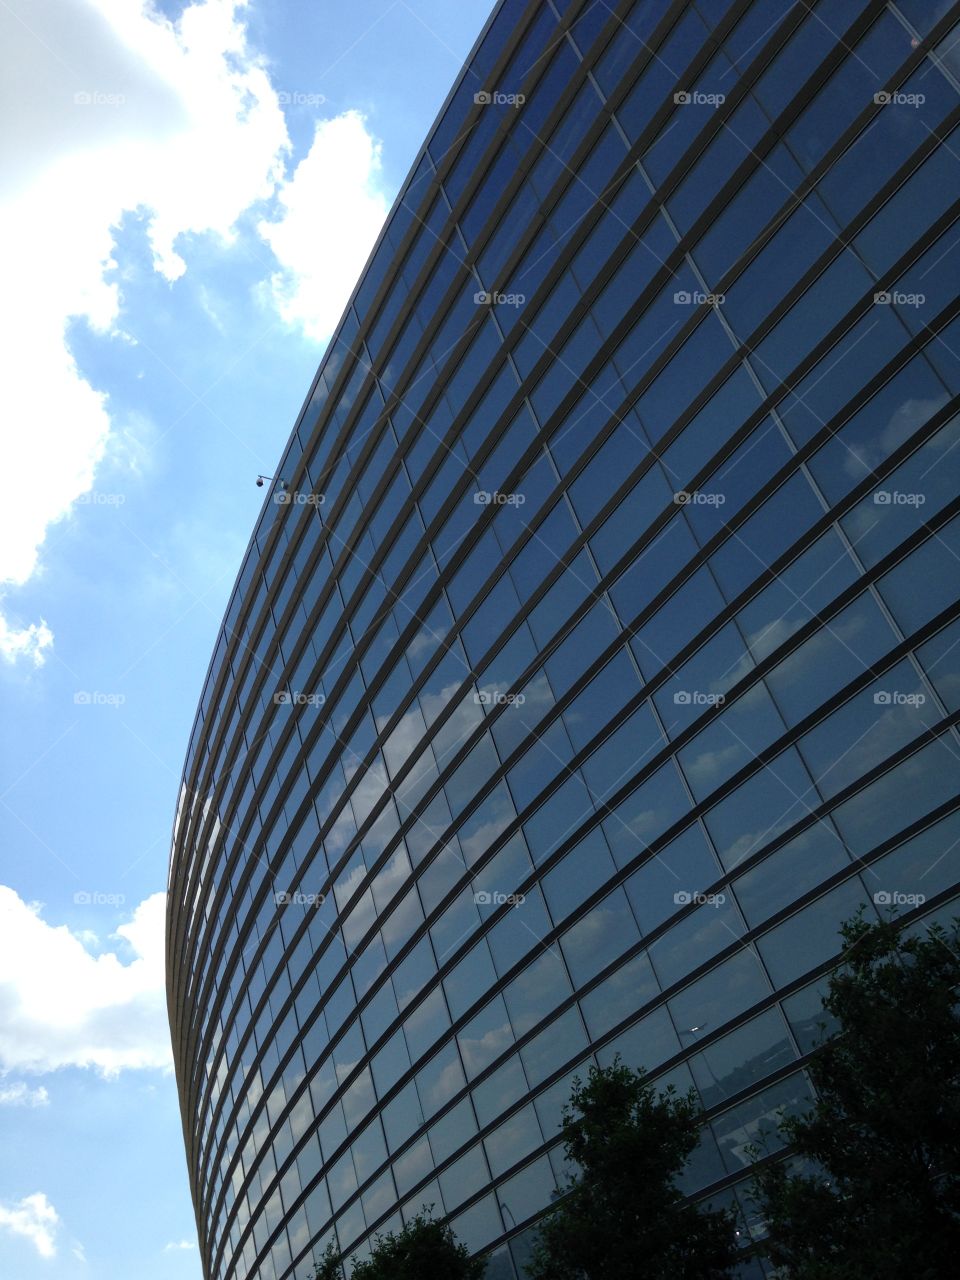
{"x":514,"y":1139}
{"x":755,"y":1122}
{"x":519,"y":931}
{"x":583,"y":870}
{"x":731,"y":741}
{"x":600,"y":937}
{"x":721,"y":994}
{"x":494,"y":1095}
{"x":899,"y":797}
{"x":623,"y":754}
{"x":699,"y":936}
{"x":769,"y":802}
{"x":746,"y":1055}
{"x":485,"y":1037}
{"x":558,"y":1043}
{"x":439,"y":1080}
{"x":798,"y":866}
{"x":867,"y":729}
{"x":812,"y":935}
{"x":685,"y":867}
{"x":619,"y":995}
{"x":645,"y":814}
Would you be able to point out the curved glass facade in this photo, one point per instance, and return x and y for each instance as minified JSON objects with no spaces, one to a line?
{"x":598,"y":651}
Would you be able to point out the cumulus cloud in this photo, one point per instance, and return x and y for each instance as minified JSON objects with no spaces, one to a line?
{"x":31,"y":641}
{"x":863,"y":456}
{"x":114,"y":109}
{"x":332,"y":209}
{"x":179,"y":1246}
{"x":21,"y":1095}
{"x":60,"y":1006}
{"x":34,"y":1218}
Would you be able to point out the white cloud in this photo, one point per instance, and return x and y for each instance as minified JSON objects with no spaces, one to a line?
{"x":21,"y":1095}
{"x":34,"y":1218}
{"x":114,"y":109}
{"x":332,"y":210}
{"x":175,"y":1246}
{"x":30,"y":642}
{"x":60,"y":1006}
{"x":864,"y":455}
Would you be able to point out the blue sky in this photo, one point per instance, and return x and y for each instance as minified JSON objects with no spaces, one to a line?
{"x":189,"y":193}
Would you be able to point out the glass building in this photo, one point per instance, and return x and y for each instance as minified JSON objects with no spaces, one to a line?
{"x":597,"y":651}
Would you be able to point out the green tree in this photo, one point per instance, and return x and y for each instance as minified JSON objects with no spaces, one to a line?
{"x":879,"y":1194}
{"x":423,"y":1249}
{"x":621,"y":1214}
{"x":330,"y":1266}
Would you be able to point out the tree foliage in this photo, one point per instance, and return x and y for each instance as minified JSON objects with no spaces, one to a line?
{"x":330,"y":1266}
{"x":422,"y":1249}
{"x":622,"y":1214}
{"x":883,"y":1138}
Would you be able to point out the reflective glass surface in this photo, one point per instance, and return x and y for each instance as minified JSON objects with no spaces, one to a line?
{"x":600,"y":656}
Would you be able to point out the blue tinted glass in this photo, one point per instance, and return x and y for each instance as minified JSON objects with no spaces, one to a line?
{"x":458,"y":660}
